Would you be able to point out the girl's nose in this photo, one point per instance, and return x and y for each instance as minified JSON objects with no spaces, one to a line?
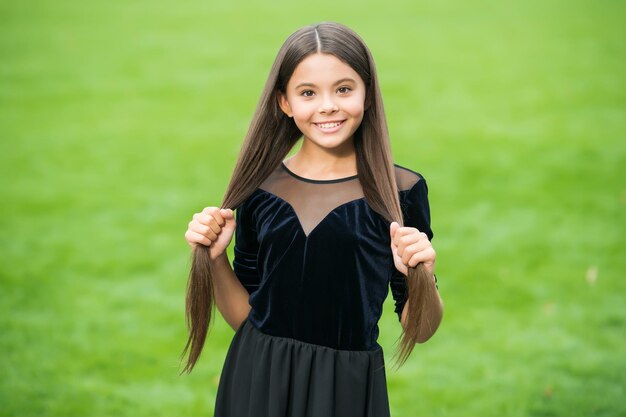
{"x":328,"y":105}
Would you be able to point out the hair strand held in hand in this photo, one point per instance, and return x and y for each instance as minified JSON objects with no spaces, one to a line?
{"x":419,"y":325}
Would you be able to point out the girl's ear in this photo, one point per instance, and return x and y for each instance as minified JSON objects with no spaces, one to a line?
{"x":284,"y":104}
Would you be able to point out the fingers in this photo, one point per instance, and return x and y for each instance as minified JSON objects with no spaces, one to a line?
{"x":227,"y":213}
{"x":206,"y":225}
{"x":204,"y":229}
{"x":401,"y":232}
{"x":407,"y":252}
{"x":212,"y":217}
{"x":427,"y":256}
{"x":392,"y":229}
{"x":194,"y":238}
{"x":411,"y":245}
{"x":406,"y":236}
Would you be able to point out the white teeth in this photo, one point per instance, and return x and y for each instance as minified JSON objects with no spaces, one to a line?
{"x":328,"y":125}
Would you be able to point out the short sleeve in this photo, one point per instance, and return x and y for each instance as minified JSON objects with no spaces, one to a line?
{"x":416,"y":213}
{"x":246,"y":248}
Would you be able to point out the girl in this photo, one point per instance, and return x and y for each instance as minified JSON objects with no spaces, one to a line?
{"x":319,"y":239}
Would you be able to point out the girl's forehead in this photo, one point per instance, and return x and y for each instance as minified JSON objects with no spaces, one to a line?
{"x":322,"y":68}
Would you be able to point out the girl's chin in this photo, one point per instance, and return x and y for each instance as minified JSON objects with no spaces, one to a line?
{"x":329,"y":142}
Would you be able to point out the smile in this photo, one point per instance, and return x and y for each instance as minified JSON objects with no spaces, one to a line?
{"x":329,"y":125}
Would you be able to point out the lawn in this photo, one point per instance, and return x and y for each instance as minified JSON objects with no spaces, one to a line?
{"x":119,"y":120}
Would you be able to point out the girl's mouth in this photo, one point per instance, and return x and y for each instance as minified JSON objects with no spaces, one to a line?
{"x":330,"y":127}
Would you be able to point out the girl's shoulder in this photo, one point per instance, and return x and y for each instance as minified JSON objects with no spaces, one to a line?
{"x":406,"y":177}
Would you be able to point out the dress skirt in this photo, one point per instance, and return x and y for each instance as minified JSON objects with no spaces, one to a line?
{"x":270,"y":376}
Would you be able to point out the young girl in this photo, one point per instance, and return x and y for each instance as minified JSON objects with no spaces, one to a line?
{"x":319,"y":239}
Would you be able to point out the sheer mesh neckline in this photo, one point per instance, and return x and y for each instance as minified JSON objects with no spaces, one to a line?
{"x":313,"y":203}
{"x":332,"y":181}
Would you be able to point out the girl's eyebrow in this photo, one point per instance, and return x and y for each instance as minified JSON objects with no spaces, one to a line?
{"x":343,"y":80}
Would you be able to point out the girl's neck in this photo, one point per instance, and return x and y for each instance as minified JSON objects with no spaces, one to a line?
{"x":322,"y":166}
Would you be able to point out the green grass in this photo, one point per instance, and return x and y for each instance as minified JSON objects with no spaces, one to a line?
{"x":118,"y":120}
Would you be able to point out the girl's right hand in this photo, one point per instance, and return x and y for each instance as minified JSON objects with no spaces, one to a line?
{"x":214,"y":228}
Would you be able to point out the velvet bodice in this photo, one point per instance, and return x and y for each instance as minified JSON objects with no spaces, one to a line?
{"x":316,"y":259}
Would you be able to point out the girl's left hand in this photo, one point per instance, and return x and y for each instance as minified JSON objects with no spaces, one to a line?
{"x":410,"y":247}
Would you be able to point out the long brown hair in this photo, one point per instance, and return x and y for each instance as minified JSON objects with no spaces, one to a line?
{"x":271,"y":136}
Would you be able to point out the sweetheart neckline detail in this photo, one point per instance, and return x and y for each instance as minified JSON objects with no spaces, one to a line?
{"x":306,"y":236}
{"x":300,"y":227}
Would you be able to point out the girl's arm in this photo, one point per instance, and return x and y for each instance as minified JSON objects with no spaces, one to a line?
{"x":231,"y":297}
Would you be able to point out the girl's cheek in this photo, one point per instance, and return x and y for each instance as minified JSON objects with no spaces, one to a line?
{"x":355,"y":111}
{"x":355,"y":106}
{"x":304,"y":112}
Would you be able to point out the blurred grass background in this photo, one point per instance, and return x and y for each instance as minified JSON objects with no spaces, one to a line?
{"x":119,"y":120}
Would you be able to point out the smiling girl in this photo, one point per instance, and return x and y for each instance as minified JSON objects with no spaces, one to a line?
{"x":319,"y":239}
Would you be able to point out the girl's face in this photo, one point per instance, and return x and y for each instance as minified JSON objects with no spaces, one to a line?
{"x":326,"y":99}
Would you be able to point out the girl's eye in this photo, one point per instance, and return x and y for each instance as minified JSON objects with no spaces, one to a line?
{"x":307,"y":93}
{"x":344,"y":90}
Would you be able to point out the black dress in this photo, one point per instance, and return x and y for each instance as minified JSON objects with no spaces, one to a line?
{"x":317,"y":263}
